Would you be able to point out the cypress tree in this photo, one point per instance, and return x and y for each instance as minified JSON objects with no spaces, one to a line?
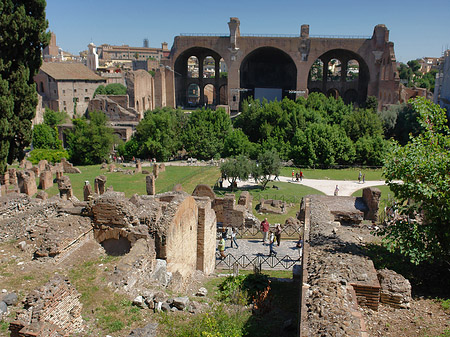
{"x":22,"y":37}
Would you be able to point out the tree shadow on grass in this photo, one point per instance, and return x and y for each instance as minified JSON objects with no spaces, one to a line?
{"x":427,"y":279}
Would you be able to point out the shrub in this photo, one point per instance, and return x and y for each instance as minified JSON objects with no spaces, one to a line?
{"x":52,"y":156}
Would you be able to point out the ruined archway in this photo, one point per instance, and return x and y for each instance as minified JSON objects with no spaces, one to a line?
{"x":269,"y":73}
{"x":116,"y":247}
{"x":343,"y":71}
{"x":202,"y":67}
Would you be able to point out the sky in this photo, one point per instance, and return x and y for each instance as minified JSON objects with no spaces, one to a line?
{"x":417,"y":28}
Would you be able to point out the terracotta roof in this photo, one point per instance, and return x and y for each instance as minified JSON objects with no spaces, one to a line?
{"x":69,"y":71}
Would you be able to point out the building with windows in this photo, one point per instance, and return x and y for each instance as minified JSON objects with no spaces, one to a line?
{"x":108,"y":52}
{"x":66,"y":87}
{"x":442,"y":84}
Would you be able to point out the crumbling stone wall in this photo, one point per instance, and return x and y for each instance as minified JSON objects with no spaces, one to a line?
{"x":27,"y":183}
{"x":68,"y":167}
{"x":206,"y":235}
{"x":372,"y":196}
{"x":46,"y":180}
{"x":52,"y":310}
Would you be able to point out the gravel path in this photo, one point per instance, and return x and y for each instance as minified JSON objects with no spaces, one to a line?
{"x":346,"y":187}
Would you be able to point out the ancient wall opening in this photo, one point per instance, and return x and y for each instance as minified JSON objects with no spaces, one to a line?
{"x":116,"y":247}
{"x":202,"y":67}
{"x":340,"y":73}
{"x":268,"y":73}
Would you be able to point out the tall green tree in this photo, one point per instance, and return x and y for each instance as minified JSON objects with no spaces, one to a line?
{"x":91,"y":141}
{"x":205,"y":133}
{"x":234,"y":168}
{"x":22,"y":37}
{"x":423,"y":167}
{"x":268,"y":165}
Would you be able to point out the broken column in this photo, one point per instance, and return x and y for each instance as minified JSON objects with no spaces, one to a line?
{"x":65,"y":188}
{"x":27,"y":182}
{"x":162,"y":167}
{"x":59,"y":175}
{"x":150,"y":182}
{"x":42,"y":165}
{"x":111,"y":168}
{"x":138,"y":166}
{"x":12,"y":176}
{"x":46,"y":180}
{"x":87,"y":190}
{"x":155,"y":170}
{"x":100,"y":185}
{"x":371,"y":196}
{"x":4,"y":183}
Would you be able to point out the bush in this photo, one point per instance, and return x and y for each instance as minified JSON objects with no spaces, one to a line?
{"x":46,"y":137}
{"x":52,"y":156}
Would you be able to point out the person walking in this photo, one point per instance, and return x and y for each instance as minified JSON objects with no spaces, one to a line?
{"x":299,"y":247}
{"x":293,"y":175}
{"x":278,"y":234}
{"x":359,"y":177}
{"x":221,"y":248}
{"x":233,"y":237}
{"x":364,"y":178}
{"x":336,"y":191}
{"x":264,"y":229}
{"x":301,"y":175}
{"x":271,"y":242}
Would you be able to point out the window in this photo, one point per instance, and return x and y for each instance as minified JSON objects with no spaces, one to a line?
{"x":64,"y":103}
{"x":74,"y":91}
{"x":64,"y":91}
{"x":85,"y":90}
{"x":86,"y":99}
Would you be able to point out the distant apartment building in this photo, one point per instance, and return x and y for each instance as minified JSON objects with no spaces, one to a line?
{"x":442,"y":84}
{"x":66,"y":86}
{"x":428,"y":63}
{"x":108,"y":52}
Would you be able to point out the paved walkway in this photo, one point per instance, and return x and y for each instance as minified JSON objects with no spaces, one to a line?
{"x":346,"y":187}
{"x":253,"y":250}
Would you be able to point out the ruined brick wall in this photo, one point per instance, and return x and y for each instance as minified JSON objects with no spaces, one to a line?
{"x":139,"y":89}
{"x":27,"y":182}
{"x":206,"y":236}
{"x":371,"y":196}
{"x":180,"y":220}
{"x":53,"y":310}
{"x":228,"y":213}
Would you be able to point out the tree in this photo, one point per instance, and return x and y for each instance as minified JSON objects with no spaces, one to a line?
{"x":268,"y":164}
{"x":423,"y":167}
{"x":22,"y":27}
{"x":55,"y":118}
{"x":91,"y":141}
{"x":158,"y":134}
{"x":236,"y":168}
{"x":237,"y":143}
{"x":111,"y":89}
{"x":46,"y":137}
{"x":205,"y":133}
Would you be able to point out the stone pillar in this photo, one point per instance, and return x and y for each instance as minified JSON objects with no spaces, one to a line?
{"x":371,"y":196}
{"x":138,"y":166}
{"x":65,"y":188}
{"x":12,"y":176}
{"x":201,"y":59}
{"x":42,"y":165}
{"x":4,"y":180}
{"x":150,"y":183}
{"x":162,"y":167}
{"x":87,"y":190}
{"x":155,"y":170}
{"x":111,"y":168}
{"x":217,"y":80}
{"x":46,"y":180}
{"x":27,"y":182}
{"x":59,"y":175}
{"x":36,"y":171}
{"x":325,"y":75}
{"x":206,"y":236}
{"x":100,"y":185}
{"x":344,"y":64}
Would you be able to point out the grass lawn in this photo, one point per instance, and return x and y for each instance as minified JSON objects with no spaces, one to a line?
{"x":335,"y":174}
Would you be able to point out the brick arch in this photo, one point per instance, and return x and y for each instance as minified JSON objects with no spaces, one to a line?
{"x":182,"y":80}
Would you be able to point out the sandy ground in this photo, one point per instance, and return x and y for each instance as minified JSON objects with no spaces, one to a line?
{"x":346,"y":187}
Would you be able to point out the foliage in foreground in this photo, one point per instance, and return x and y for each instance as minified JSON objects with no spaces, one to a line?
{"x":423,"y":166}
{"x":243,"y":289}
{"x":219,"y":322}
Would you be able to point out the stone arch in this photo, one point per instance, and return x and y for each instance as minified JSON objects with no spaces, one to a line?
{"x":334,"y":70}
{"x":268,"y":72}
{"x":350,"y":96}
{"x":183,"y":79}
{"x":223,"y":94}
{"x":333,"y":92}
{"x":193,"y":95}
{"x":210,"y":94}
{"x":343,"y":85}
{"x":192,"y":67}
{"x":352,"y":73}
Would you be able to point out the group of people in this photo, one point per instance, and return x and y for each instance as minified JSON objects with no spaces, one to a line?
{"x":271,"y":237}
{"x":298,"y":175}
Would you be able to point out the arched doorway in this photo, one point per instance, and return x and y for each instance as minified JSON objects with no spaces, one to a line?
{"x":202,"y":67}
{"x":343,"y":71}
{"x":268,"y":73}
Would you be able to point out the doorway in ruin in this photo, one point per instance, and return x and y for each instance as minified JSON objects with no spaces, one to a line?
{"x":340,"y":73}
{"x":267,"y":73}
{"x":116,"y":247}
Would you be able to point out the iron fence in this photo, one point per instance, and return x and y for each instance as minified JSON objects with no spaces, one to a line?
{"x":288,"y":230}
{"x":259,"y":261}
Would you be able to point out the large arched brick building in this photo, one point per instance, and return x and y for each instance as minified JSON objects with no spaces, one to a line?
{"x":282,"y":66}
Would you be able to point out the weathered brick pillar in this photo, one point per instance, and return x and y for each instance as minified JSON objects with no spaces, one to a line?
{"x":36,"y":171}
{"x":155,"y":170}
{"x":42,"y":165}
{"x":46,"y":180}
{"x":100,"y":185}
{"x":138,"y":166}
{"x":59,"y":175}
{"x":111,"y":168}
{"x":150,"y":181}
{"x":65,"y":188}
{"x":162,"y":167}
{"x":87,"y":190}
{"x":12,"y":176}
{"x":4,"y":179}
{"x":371,"y":196}
{"x":27,"y":182}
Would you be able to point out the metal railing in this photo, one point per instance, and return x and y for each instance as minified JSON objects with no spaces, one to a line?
{"x":260,"y":261}
{"x":365,"y":37}
{"x":289,"y":230}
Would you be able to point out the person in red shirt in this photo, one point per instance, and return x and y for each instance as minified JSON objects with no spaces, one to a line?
{"x":264,"y":229}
